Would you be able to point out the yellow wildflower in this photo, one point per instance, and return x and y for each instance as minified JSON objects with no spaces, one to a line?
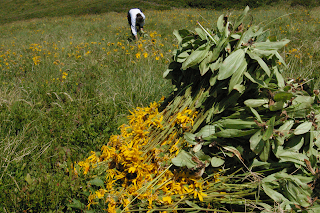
{"x":167,"y":199}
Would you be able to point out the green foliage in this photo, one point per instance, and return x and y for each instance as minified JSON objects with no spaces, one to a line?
{"x":265,"y":123}
{"x":47,"y":124}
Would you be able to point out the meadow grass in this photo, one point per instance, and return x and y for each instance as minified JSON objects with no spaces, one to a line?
{"x":68,"y":83}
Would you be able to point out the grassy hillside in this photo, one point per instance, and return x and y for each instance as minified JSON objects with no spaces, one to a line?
{"x":14,"y":10}
{"x":27,"y":9}
{"x":67,"y":84}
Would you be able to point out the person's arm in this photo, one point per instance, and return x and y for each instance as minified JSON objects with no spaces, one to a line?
{"x":142,"y":24}
{"x":133,"y":26}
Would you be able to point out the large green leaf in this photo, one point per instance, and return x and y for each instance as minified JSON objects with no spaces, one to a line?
{"x":267,"y":54}
{"x":177,"y":35}
{"x":264,"y":155}
{"x":204,"y":65}
{"x":276,"y":196}
{"x":269,"y":131}
{"x":271,"y":45}
{"x":256,"y":142}
{"x":255,"y":80}
{"x":182,"y":57}
{"x":231,"y":64}
{"x":256,"y":114}
{"x":236,"y":124}
{"x":97,"y":182}
{"x":237,"y":77}
{"x":282,"y":96}
{"x":180,"y":34}
{"x":263,"y":65}
{"x":216,"y":162}
{"x":196,"y":56}
{"x":291,"y":156}
{"x":262,"y":35}
{"x":184,"y":159}
{"x":284,"y":131}
{"x":277,"y":106}
{"x":255,"y":102}
{"x":234,"y":133}
{"x":303,"y":128}
{"x":213,"y":80}
{"x":190,"y":138}
{"x":240,"y":18}
{"x":201,"y":33}
{"x":215,"y":65}
{"x":245,"y":37}
{"x":279,"y":77}
{"x":220,"y":24}
{"x":299,"y":110}
{"x":280,"y":59}
{"x":303,"y":99}
{"x":206,"y":131}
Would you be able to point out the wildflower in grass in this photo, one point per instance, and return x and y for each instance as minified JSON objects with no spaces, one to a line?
{"x":145,"y":54}
{"x":56,"y":62}
{"x":138,"y":55}
{"x":64,"y":75}
{"x":157,"y":58}
{"x":36,"y":60}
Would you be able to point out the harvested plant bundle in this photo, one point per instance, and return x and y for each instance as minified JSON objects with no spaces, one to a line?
{"x":233,"y":135}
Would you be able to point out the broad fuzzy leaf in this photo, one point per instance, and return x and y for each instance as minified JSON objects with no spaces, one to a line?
{"x":237,"y":77}
{"x":255,"y":102}
{"x":263,"y":65}
{"x":271,"y":45}
{"x":231,"y":64}
{"x":216,"y":162}
{"x":256,"y":142}
{"x":240,"y":19}
{"x":196,"y":56}
{"x":303,"y":128}
{"x":282,"y":96}
{"x":183,"y":159}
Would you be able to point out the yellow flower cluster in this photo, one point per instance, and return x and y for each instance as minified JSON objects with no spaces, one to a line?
{"x":137,"y":162}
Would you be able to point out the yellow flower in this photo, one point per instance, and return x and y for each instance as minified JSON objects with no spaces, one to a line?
{"x":36,"y":60}
{"x":145,"y":55}
{"x":85,"y":166}
{"x":167,"y":199}
{"x":100,"y":193}
{"x":91,"y":200}
{"x":138,"y":55}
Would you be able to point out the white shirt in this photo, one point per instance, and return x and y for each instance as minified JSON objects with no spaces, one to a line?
{"x":133,"y":14}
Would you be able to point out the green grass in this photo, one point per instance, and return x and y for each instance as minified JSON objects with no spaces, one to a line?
{"x":67,"y":83}
{"x":27,"y":9}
